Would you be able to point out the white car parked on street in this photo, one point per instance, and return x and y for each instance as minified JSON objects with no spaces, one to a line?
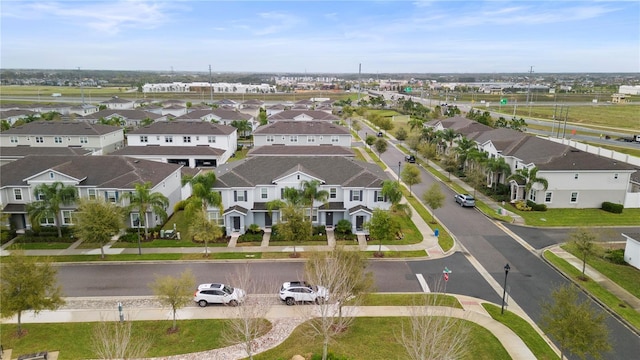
{"x":218,"y":294}
{"x":300,"y":291}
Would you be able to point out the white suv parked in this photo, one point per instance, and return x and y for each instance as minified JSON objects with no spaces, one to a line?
{"x":218,"y":294}
{"x":300,"y":291}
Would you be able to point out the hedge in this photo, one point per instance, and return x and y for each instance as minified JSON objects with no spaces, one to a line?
{"x":612,"y":207}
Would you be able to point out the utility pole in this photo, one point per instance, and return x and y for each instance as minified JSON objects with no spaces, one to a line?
{"x":81,"y":88}
{"x":359,"y":81}
{"x":529,"y":89}
{"x":210,"y":85}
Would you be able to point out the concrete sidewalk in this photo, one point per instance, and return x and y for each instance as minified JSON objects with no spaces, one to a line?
{"x":472,"y":311}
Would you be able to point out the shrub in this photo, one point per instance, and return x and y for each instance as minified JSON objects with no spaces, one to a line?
{"x":250,"y":237}
{"x":319,"y":230}
{"x":6,"y":235}
{"x":275,"y":235}
{"x":522,"y":206}
{"x":536,"y":207}
{"x":343,"y":227}
{"x":255,"y":229}
{"x":612,"y":207}
{"x":179,"y":206}
{"x":401,"y":134}
{"x":615,"y":256}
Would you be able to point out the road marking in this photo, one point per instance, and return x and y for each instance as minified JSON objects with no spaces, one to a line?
{"x":423,"y":283}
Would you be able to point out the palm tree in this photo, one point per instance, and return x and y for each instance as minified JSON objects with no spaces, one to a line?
{"x":529,"y":177}
{"x":391,"y":190}
{"x":296,"y":228}
{"x":464,"y":147}
{"x":243,"y":126}
{"x":143,"y":199}
{"x":477,"y":158}
{"x":311,"y":192}
{"x":415,"y":123}
{"x":202,"y":195}
{"x":497,"y":167}
{"x":51,"y":198}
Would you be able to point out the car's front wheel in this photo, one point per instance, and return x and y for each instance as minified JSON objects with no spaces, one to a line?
{"x":202,"y":303}
{"x":290,"y":301}
{"x":233,"y":303}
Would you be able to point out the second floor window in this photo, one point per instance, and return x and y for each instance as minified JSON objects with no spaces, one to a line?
{"x":14,"y":139}
{"x":111,"y":196}
{"x":211,"y":139}
{"x":293,"y":138}
{"x":335,"y":139}
{"x":67,"y":217}
{"x":333,"y":193}
{"x":311,"y":139}
{"x":17,"y":194}
{"x":186,"y":139}
{"x":168,"y":139}
{"x":144,"y":139}
{"x":356,"y":195}
{"x":39,"y":139}
{"x":263,"y":193}
{"x":57,"y":139}
{"x":239,"y":195}
{"x":84,"y":140}
{"x":270,"y":138}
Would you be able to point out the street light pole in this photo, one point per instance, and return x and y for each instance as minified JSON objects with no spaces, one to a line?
{"x":139,"y":245}
{"x":399,"y":165}
{"x":504,"y":291}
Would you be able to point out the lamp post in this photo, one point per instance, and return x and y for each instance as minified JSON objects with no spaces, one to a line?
{"x":504,"y":291}
{"x":399,"y":165}
{"x":139,"y":245}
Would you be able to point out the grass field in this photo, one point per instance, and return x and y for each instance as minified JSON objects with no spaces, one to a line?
{"x":578,"y":217}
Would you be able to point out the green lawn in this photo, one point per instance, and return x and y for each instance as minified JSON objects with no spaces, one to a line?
{"x":39,"y":246}
{"x":619,"y":307}
{"x":578,"y":217}
{"x":73,"y":339}
{"x":524,"y":330}
{"x":626,"y":276}
{"x":375,"y":339}
{"x":444,"y":239}
{"x":413,"y":299}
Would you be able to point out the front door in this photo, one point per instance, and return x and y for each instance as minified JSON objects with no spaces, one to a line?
{"x":359,"y":223}
{"x":268,"y":221}
{"x":236,"y":223}
{"x":329,"y":220}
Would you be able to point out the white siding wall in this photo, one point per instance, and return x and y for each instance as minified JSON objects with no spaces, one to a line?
{"x":593,"y":188}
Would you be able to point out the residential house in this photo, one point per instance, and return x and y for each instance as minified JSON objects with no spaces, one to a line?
{"x":275,"y":109}
{"x":129,"y":118}
{"x":190,"y":143}
{"x":117,"y":103}
{"x":101,"y":139}
{"x":303,"y":115}
{"x":83,"y":110}
{"x":297,"y":133}
{"x":13,"y":115}
{"x":576,"y":179}
{"x":246,"y":186}
{"x":95,"y":177}
{"x":174,"y":110}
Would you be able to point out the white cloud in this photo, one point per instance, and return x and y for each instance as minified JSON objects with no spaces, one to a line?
{"x":278,"y":22}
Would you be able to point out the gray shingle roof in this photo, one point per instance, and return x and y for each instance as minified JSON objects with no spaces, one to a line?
{"x":125,"y":114}
{"x":116,"y":100}
{"x":195,"y":114}
{"x":22,"y":151}
{"x":184,"y":128}
{"x":106,"y":171}
{"x":336,"y":170}
{"x":61,"y":128}
{"x":574,"y":159}
{"x":314,"y":114}
{"x":289,"y":127}
{"x":231,"y":114}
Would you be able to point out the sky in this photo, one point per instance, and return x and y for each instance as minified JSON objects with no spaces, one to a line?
{"x":322,"y":36}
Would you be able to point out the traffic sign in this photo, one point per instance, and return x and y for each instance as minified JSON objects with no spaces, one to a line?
{"x":407,"y":89}
{"x":446,"y":276}
{"x":503,"y":101}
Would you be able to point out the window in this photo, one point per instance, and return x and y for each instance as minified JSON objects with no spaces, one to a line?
{"x":111,"y":196}
{"x":335,"y":139}
{"x":92,"y":194}
{"x":48,"y":220}
{"x":547,"y":196}
{"x":51,"y":175}
{"x":186,"y":139}
{"x":574,"y":197}
{"x":57,"y":139}
{"x":39,"y":139}
{"x":293,"y":138}
{"x":84,"y":140}
{"x":615,"y":176}
{"x":311,"y":139}
{"x":67,"y":217}
{"x":144,"y":139}
{"x":575,"y":176}
{"x":356,"y":195}
{"x":532,"y":196}
{"x":197,"y":138}
{"x":158,"y":138}
{"x":333,"y":193}
{"x":17,"y":194}
{"x":315,"y":214}
{"x":271,"y":138}
{"x":239,"y":195}
{"x":135,"y":220}
{"x":378,"y":197}
{"x":215,"y":217}
{"x":263,"y":193}
{"x":168,"y":139}
{"x":14,"y":139}
{"x":211,"y":139}
{"x":40,"y":196}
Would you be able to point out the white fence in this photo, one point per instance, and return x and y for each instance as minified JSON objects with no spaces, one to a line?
{"x":629,"y":159}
